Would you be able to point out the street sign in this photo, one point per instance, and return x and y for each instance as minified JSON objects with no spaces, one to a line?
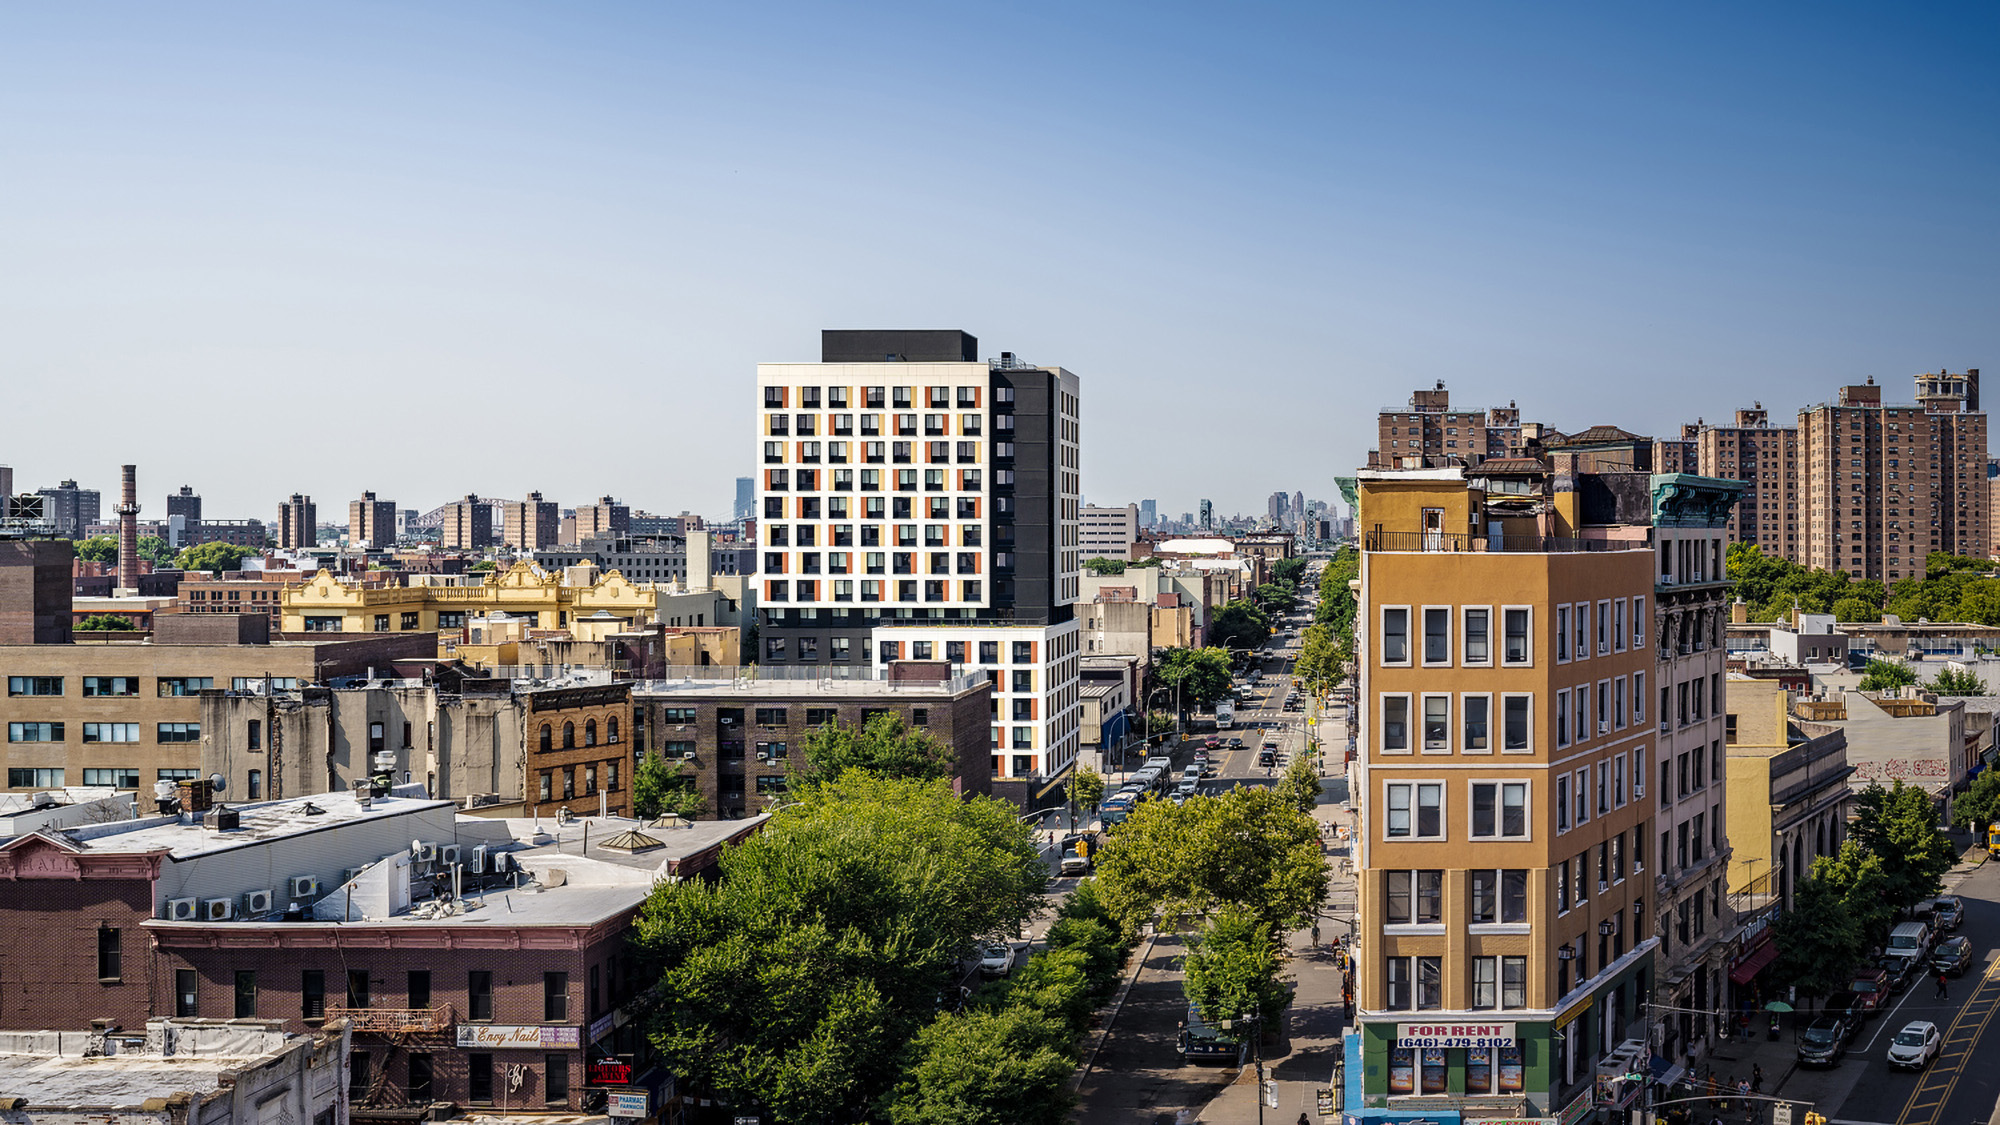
{"x":1781,"y":1114}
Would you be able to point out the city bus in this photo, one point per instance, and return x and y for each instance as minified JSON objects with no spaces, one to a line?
{"x":1201,"y":1043}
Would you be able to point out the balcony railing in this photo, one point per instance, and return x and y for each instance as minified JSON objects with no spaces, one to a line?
{"x":386,"y":1021}
{"x":1418,"y":541}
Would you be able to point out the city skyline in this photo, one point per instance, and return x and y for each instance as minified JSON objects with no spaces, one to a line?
{"x":467,"y":210}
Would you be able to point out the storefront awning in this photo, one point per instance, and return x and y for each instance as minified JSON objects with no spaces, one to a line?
{"x":1747,"y":971}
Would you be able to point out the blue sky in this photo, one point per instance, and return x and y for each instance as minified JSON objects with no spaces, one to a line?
{"x":438,"y":249}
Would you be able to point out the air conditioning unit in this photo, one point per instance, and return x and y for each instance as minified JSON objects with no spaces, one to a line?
{"x":425,"y":852}
{"x":1603,"y":727}
{"x":303,"y":887}
{"x":448,"y":853}
{"x":688,"y":757}
{"x":257,"y":903}
{"x":478,"y":864}
{"x":182,"y":910}
{"x":217,"y":909}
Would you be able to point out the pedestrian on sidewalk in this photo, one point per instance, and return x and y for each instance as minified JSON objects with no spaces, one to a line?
{"x":1756,"y":1079}
{"x":1940,"y":984}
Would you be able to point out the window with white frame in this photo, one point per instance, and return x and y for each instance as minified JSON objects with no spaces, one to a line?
{"x":1579,"y":726}
{"x":1562,"y":717}
{"x":1604,"y":628}
{"x":1603,"y":788}
{"x":1498,"y":896}
{"x":1638,"y":623}
{"x":1437,"y":723}
{"x":1582,"y":790}
{"x":1430,"y":983}
{"x":1639,"y":699}
{"x":1562,"y":634}
{"x":1478,"y":643}
{"x":1476,"y":721}
{"x":1437,"y":635}
{"x":1603,"y":707}
{"x":1396,"y":981}
{"x":1395,"y":723}
{"x":1618,"y":781}
{"x":1516,"y":622}
{"x":1562,"y":802}
{"x":1618,"y":624}
{"x":1638,"y":771}
{"x":1414,"y":898}
{"x":1517,"y":723}
{"x":1580,"y":637}
{"x":1618,"y":703}
{"x":1499,"y":810}
{"x":1415,"y":810}
{"x":1396,"y":634}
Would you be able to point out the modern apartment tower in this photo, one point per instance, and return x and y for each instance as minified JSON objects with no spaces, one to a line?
{"x":918,"y":503}
{"x":371,"y":522}
{"x":298,"y":524}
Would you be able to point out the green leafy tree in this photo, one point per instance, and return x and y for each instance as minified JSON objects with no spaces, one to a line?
{"x":97,"y":622}
{"x":1300,"y":787}
{"x":799,"y":979}
{"x":154,"y":550}
{"x":1818,"y":941}
{"x":1012,"y":1065}
{"x":216,"y":558}
{"x":1104,"y":566}
{"x":97,"y":548}
{"x":882,"y":745}
{"x":1196,"y":676}
{"x":1087,"y":788}
{"x":1288,"y":571}
{"x":1247,"y":847}
{"x":1957,"y":681}
{"x":1899,"y":826}
{"x":1979,"y":806}
{"x":1322,"y":662}
{"x":1232,"y":971}
{"x":1886,"y":675}
{"x":1275,"y":598}
{"x":483,"y":566}
{"x":659,"y":788}
{"x":1238,"y":624}
{"x":1853,"y":609}
{"x":1863,"y":887}
{"x":1336,"y":606}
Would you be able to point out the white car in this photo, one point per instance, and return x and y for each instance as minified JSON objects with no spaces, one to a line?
{"x":1914,"y":1046}
{"x":996,"y":959}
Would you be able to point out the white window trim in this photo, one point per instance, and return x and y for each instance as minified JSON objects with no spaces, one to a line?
{"x":1493,"y":637}
{"x":1410,"y":723}
{"x":1444,"y":812}
{"x":1499,"y":928}
{"x":1579,"y":626}
{"x":1450,"y":717}
{"x":1410,"y":639}
{"x":1422,"y":635}
{"x":1527,"y":809}
{"x":1500,"y":722}
{"x":1492,"y":734}
{"x":1563,"y":716}
{"x":1561,"y":799}
{"x":1411,"y":929}
{"x":1602,"y":631}
{"x":1602,"y":706}
{"x":1580,"y":798}
{"x":1620,"y":763}
{"x":1619,"y":608}
{"x":1638,"y":772}
{"x":1638,"y":624}
{"x":1501,"y":636}
{"x":1562,"y":633}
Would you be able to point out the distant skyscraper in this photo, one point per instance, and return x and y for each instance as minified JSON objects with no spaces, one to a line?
{"x":1207,"y":513}
{"x":746,"y":498}
{"x":1149,"y":513}
{"x":1298,"y":512}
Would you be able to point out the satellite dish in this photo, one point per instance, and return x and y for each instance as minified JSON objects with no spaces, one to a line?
{"x":217,"y":782}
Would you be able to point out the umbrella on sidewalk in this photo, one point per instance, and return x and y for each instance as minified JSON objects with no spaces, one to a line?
{"x":1778,"y":1006}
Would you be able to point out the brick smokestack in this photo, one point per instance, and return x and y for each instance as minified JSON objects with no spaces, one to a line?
{"x":128,"y":530}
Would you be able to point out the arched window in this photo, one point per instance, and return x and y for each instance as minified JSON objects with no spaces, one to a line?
{"x":569,"y":735}
{"x":611,"y":730}
{"x":590,"y":732}
{"x":255,"y":789}
{"x":547,"y":738}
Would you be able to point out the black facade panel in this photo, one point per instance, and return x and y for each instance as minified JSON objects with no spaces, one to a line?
{"x":890,"y":345}
{"x":1037,"y":555}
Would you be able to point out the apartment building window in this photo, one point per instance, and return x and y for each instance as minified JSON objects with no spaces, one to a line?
{"x":1618,"y":781}
{"x":246,"y":994}
{"x":1580,"y":641}
{"x":1416,"y":810}
{"x":1638,"y":772}
{"x":1437,"y":635}
{"x":1396,"y":635}
{"x":1397,"y":982}
{"x":1562,"y":634}
{"x":1562,"y":803}
{"x":1515,"y":622}
{"x":1562,"y":718}
{"x":1638,"y":623}
{"x":1582,"y":790}
{"x":1430,"y":983}
{"x":1516,"y":724}
{"x":109,"y":686}
{"x":187,"y":994}
{"x":114,"y":777}
{"x":35,"y":685}
{"x":110,"y":955}
{"x":34,"y":732}
{"x":555,"y":997}
{"x":312,"y":994}
{"x":1639,"y":699}
{"x":1603,"y":628}
{"x":1499,"y":896}
{"x":114,"y":732}
{"x":1475,"y":709}
{"x":1618,"y":624}
{"x":1562,"y":892}
{"x":1437,"y":722}
{"x":1395,"y":723}
{"x":173,"y":686}
{"x":1618,"y":703}
{"x":479,"y":995}
{"x":1415,"y":897}
{"x":1499,"y":810}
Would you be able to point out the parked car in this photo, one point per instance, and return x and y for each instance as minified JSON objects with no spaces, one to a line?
{"x":1914,"y":1046}
{"x":1823,"y":1043}
{"x":1267,"y":757}
{"x":1952,"y":955}
{"x":996,"y":959}
{"x":1900,"y":971}
{"x":1848,"y":1007}
{"x":1910,"y":939}
{"x":1871,"y":987}
{"x":1946,"y":912}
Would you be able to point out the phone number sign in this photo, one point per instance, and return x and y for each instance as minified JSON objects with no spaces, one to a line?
{"x":1455,"y":1035}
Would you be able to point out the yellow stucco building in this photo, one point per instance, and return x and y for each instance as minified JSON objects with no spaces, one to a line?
{"x":326,"y":605}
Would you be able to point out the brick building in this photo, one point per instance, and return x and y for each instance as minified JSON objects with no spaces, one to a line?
{"x":371,"y":522}
{"x":1766,"y":459}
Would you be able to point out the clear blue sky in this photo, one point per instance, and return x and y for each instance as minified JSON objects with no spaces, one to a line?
{"x":428,"y":249}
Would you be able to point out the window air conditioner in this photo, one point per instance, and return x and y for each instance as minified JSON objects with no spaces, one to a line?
{"x":217,"y":910}
{"x":181,"y":910}
{"x":257,"y":903}
{"x":1603,"y":727}
{"x":302,"y":887}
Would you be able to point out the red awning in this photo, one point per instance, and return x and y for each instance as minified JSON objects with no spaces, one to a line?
{"x":1755,"y":963}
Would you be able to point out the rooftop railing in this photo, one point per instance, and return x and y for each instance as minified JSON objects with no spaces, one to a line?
{"x":1429,"y":541}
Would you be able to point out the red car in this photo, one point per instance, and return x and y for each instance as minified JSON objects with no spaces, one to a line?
{"x":1871,"y":987}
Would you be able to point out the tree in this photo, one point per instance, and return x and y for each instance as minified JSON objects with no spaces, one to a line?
{"x":214,"y":557}
{"x":483,"y":566}
{"x":798,"y":980}
{"x":97,"y":548}
{"x":1863,"y":887}
{"x":1885,"y":675}
{"x":882,"y":745}
{"x":1198,"y":676}
{"x":1852,"y":609}
{"x":659,"y":788}
{"x":1247,"y":847}
{"x":97,"y":622}
{"x":1300,"y":787}
{"x":1322,"y":662}
{"x":1274,"y":598}
{"x":1104,"y":566}
{"x":1087,"y":789}
{"x":987,"y":1068}
{"x":1899,"y":826}
{"x":1957,"y":681}
{"x":1818,"y":942}
{"x":154,"y":550}
{"x":1980,"y":804}
{"x":1288,"y":571}
{"x":1238,"y":624}
{"x":1232,"y":972}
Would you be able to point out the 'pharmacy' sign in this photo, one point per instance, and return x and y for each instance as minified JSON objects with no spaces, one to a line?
{"x":1473,"y":1035}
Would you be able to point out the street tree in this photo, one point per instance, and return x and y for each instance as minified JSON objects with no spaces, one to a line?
{"x":1899,"y":826}
{"x":1322,"y":663}
{"x":798,"y":980}
{"x":1818,"y":941}
{"x":1247,"y":847}
{"x":1980,"y":804}
{"x":987,"y":1067}
{"x":1957,"y":681}
{"x":1288,"y":571}
{"x":1196,"y":676}
{"x":1232,"y":970}
{"x":1273,"y":597}
{"x":216,"y":558}
{"x":1087,"y":788}
{"x":881,"y":745}
{"x":1300,"y":787}
{"x":659,"y":788}
{"x":1863,"y":887}
{"x":97,"y":548}
{"x":1239,"y":624}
